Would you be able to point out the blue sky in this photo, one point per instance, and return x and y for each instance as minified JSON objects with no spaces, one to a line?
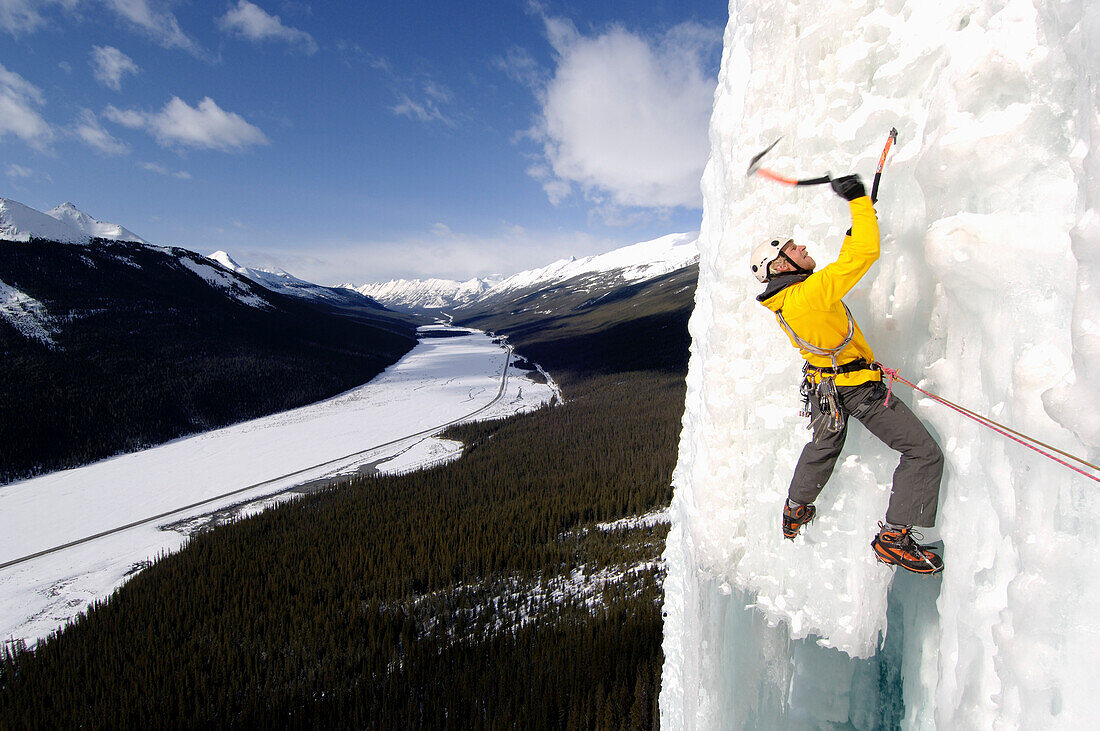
{"x":360,"y":141}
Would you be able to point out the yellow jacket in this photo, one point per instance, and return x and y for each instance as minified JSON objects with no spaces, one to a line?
{"x":811,"y":303}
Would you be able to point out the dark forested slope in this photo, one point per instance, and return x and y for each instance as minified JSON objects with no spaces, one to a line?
{"x":568,"y":329}
{"x":144,"y":350}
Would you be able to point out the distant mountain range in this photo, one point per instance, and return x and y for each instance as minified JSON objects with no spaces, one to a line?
{"x":425,"y":294}
{"x":68,"y":224}
{"x":282,"y":282}
{"x":425,"y":297}
{"x":635,"y":263}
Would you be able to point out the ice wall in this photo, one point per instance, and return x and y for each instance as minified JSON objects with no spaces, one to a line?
{"x":990,"y":215}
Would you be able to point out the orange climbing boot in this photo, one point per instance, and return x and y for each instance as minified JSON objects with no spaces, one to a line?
{"x":897,"y":546}
{"x":796,"y":515}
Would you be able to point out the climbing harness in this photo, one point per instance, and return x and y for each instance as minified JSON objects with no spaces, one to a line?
{"x":1022,"y":439}
{"x":825,"y":389}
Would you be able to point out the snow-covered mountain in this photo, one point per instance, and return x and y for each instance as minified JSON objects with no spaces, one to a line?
{"x":19,"y":223}
{"x":280,"y":281}
{"x":985,"y":293}
{"x":628,"y":264}
{"x":65,"y":223}
{"x":425,"y":294}
{"x":69,"y":213}
{"x":69,"y":225}
{"x":633,"y":263}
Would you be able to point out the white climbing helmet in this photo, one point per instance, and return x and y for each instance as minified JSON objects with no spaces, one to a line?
{"x":764,"y":255}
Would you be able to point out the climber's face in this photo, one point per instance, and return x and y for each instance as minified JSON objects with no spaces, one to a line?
{"x":798,"y":255}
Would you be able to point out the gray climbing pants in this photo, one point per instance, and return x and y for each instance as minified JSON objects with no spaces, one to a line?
{"x":916,"y":489}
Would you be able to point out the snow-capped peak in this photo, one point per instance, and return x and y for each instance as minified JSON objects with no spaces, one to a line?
{"x":632,"y":263}
{"x":283,"y":282}
{"x":20,"y":223}
{"x":65,"y":223}
{"x":223,"y":258}
{"x":426,"y":293}
{"x":271,"y":278}
{"x":70,"y":214}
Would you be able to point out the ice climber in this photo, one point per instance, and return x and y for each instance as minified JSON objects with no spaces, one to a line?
{"x":842,"y":379}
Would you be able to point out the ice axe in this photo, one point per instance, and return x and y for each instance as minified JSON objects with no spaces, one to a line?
{"x":755,"y":168}
{"x":890,"y":140}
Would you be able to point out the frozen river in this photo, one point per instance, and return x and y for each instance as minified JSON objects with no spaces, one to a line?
{"x":387,"y":423}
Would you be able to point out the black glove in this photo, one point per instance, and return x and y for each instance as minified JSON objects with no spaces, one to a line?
{"x":849,"y":187}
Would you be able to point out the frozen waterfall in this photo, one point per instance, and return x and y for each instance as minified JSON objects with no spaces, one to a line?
{"x":987,"y":292}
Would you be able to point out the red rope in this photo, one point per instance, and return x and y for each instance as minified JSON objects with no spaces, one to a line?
{"x":999,"y":428}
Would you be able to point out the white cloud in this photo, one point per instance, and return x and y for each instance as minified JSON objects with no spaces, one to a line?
{"x":14,"y":171}
{"x":153,"y":18}
{"x":150,"y":17}
{"x":556,"y":190}
{"x":417,"y":98}
{"x":161,"y":170}
{"x":206,"y":126}
{"x":252,"y":22}
{"x":92,"y":133}
{"x":425,"y":110}
{"x":20,"y":16}
{"x":19,"y":103}
{"x":520,"y":66}
{"x":110,"y":64}
{"x":427,"y":106}
{"x":125,"y":117}
{"x":624,"y":118}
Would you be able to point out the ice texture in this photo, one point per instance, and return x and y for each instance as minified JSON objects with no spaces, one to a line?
{"x":985,"y":293}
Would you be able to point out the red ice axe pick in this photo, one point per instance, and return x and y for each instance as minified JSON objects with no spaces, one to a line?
{"x":755,"y":168}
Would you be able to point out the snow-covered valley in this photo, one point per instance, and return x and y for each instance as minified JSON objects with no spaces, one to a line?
{"x":386,"y":425}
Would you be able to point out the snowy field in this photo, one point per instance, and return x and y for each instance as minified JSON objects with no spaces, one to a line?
{"x":385,"y":425}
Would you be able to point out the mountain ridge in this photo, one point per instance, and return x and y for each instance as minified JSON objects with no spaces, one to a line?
{"x":432,"y":297}
{"x":67,"y":224}
{"x":281,"y":281}
{"x":64,"y":223}
{"x":68,"y":213}
{"x":629,"y":264}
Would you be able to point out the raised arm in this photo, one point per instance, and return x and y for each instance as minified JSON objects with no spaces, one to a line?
{"x":859,"y":251}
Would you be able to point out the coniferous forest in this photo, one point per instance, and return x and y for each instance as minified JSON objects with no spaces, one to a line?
{"x":480,"y":594}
